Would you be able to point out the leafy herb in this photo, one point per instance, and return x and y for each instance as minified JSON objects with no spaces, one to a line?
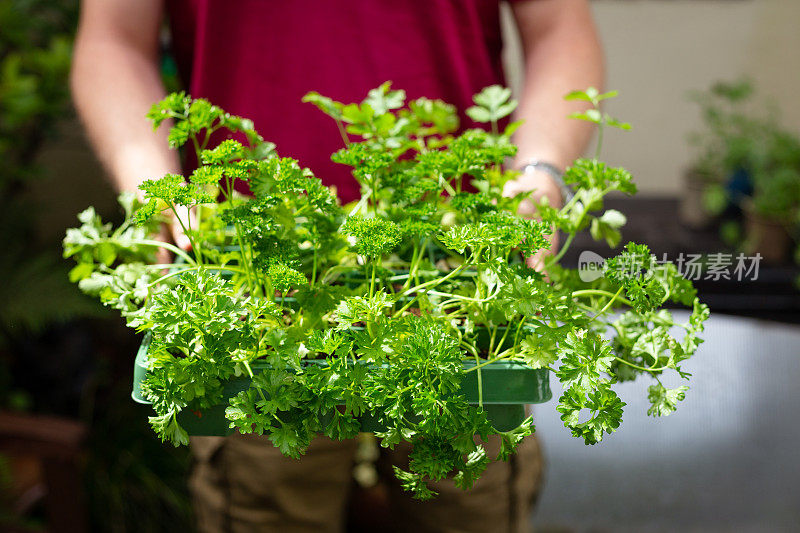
{"x":335,"y":315}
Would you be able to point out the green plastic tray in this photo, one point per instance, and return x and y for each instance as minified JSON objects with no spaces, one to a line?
{"x":507,"y":388}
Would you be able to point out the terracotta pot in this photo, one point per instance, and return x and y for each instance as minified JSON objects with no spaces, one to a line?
{"x":692,"y":211}
{"x":768,"y":236}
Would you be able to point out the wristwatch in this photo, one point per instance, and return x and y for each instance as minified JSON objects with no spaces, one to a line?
{"x":553,"y":171}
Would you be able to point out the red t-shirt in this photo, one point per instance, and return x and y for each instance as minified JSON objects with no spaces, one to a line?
{"x":257,"y":58}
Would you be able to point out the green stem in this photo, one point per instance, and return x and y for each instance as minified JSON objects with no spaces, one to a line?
{"x":226,"y":191}
{"x":450,"y":303}
{"x":480,"y":382}
{"x":502,"y":340}
{"x":269,"y":291}
{"x":415,"y":289}
{"x":121,"y":229}
{"x":246,"y":261}
{"x":404,"y":389}
{"x":416,"y":259}
{"x":332,"y":269}
{"x":314,"y":267}
{"x":342,"y":132}
{"x":456,"y":297}
{"x":154,"y":266}
{"x":302,"y":208}
{"x":447,"y":187}
{"x":374,"y":187}
{"x":167,"y":246}
{"x":361,"y":203}
{"x":247,"y":367}
{"x":195,"y":248}
{"x":491,"y":339}
{"x":437,"y":281}
{"x":250,"y":373}
{"x":410,"y":276}
{"x":198,"y":267}
{"x":643,"y":369}
{"x":372,"y":281}
{"x":405,"y":307}
{"x":600,"y":128}
{"x":197,"y":148}
{"x":423,"y":145}
{"x":556,"y":258}
{"x":608,"y":305}
{"x":599,"y":292}
{"x":505,"y":355}
{"x":516,"y":333}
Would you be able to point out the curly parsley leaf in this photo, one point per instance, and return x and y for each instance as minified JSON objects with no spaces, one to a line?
{"x":664,"y":401}
{"x":372,"y":237}
{"x":604,"y":406}
{"x":635,"y":271}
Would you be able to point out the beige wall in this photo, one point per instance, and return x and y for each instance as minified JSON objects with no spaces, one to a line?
{"x":658,"y":50}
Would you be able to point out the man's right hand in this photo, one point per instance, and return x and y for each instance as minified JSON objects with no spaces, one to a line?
{"x":172,"y":232}
{"x":115,"y":79}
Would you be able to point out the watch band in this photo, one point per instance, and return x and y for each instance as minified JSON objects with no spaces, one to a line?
{"x":553,"y":171}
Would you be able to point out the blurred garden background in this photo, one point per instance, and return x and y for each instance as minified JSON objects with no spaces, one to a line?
{"x":711,"y":88}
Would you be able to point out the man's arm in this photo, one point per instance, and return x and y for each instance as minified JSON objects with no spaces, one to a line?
{"x":115,"y":79}
{"x":562,"y":53}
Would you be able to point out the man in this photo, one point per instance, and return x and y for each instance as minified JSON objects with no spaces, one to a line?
{"x":256,"y":58}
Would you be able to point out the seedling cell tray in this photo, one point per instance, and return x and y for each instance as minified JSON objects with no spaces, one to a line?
{"x":507,"y":388}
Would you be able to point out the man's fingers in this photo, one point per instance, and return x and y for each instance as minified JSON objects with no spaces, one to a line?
{"x":527,"y":209}
{"x":519,"y":186}
{"x":186,"y":218}
{"x":172,"y":232}
{"x":537,"y":260}
{"x":163,"y":256}
{"x":179,"y":237}
{"x":511,"y":189}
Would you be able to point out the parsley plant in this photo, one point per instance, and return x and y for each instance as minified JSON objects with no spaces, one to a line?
{"x":337,"y":312}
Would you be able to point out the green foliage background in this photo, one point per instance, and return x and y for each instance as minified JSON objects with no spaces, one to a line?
{"x":131,"y":482}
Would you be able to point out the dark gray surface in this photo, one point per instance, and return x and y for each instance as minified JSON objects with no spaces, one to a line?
{"x":727,"y":460}
{"x":654,"y":220}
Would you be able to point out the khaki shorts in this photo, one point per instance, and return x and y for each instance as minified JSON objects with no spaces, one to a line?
{"x":243,"y":484}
